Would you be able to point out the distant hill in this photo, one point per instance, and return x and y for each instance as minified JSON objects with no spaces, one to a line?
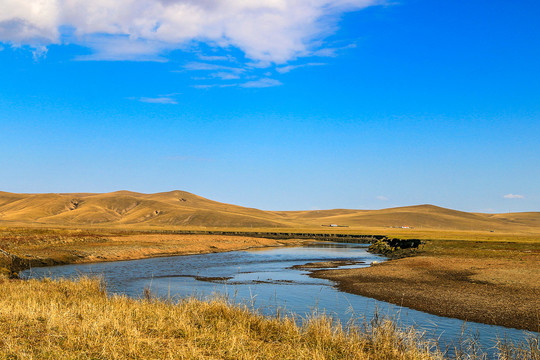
{"x":180,"y":208}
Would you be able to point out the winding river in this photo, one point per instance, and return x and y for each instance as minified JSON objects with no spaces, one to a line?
{"x":263,"y":278}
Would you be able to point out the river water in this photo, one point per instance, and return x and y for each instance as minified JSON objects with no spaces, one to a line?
{"x":263,"y":278}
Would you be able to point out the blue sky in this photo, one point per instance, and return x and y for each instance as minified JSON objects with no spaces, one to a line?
{"x":291,"y":105}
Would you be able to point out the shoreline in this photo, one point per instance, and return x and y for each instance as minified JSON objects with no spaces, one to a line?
{"x":445,"y":278}
{"x":129,"y":247}
{"x":429,"y":284}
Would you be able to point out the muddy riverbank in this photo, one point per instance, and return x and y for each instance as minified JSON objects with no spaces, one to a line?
{"x":497,"y":290}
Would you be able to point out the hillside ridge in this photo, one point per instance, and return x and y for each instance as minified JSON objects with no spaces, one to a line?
{"x":181,"y":208}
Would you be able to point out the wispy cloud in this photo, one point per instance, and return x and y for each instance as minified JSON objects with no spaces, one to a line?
{"x":209,"y":86}
{"x":215,"y":71}
{"x":225,"y":75}
{"x":261,"y":83}
{"x":288,"y":68}
{"x":382,"y":198}
{"x":39,"y":52}
{"x":204,"y":66}
{"x":156,"y":100}
{"x":265,"y":31}
{"x":513,"y":196}
{"x":122,"y":48}
{"x":216,"y":58}
{"x":332,"y":51}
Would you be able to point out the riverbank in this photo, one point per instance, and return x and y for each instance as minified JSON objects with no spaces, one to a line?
{"x":61,"y":319}
{"x":488,"y":282}
{"x":24,"y":248}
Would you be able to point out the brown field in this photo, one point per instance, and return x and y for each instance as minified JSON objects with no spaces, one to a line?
{"x":489,"y":282}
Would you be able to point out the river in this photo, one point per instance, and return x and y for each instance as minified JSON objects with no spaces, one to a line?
{"x":263,"y":278}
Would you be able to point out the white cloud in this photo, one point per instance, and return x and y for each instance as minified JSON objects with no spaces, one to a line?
{"x":158,"y":100}
{"x":121,"y":48}
{"x":224,"y":75}
{"x":261,"y":83}
{"x":286,"y":69}
{"x":194,"y":66}
{"x":215,"y":58}
{"x":382,"y":198}
{"x":332,"y":51}
{"x":513,"y":196}
{"x":39,"y":51}
{"x":268,"y":31}
{"x":215,"y":71}
{"x":209,"y":86}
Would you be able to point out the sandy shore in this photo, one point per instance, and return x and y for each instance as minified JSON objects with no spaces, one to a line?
{"x":488,"y":290}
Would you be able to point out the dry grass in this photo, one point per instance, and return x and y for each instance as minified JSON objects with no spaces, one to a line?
{"x":62,"y":319}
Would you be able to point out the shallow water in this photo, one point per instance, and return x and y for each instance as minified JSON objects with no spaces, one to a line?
{"x":264,"y":279}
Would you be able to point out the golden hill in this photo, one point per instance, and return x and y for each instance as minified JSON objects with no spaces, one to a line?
{"x":182,"y":209}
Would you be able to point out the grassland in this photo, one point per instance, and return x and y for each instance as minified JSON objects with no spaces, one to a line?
{"x":63,"y":319}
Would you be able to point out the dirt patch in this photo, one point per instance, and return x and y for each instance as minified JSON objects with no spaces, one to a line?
{"x":494,"y":291}
{"x":326,"y":264}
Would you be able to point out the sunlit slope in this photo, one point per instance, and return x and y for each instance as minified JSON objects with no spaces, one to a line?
{"x":128,"y":208}
{"x":180,"y":208}
{"x":426,"y":217}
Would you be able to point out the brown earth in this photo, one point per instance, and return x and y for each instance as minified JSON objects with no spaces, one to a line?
{"x":490,"y":283}
{"x":326,"y":264}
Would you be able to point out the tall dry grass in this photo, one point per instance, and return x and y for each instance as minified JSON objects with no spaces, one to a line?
{"x":62,"y":319}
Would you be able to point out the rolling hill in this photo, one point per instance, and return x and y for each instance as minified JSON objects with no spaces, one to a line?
{"x":182,"y":209}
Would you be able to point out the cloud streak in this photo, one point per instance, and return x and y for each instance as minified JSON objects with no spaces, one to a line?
{"x":266,"y":31}
{"x":260,"y":83}
{"x":288,"y":68}
{"x":162,"y":99}
{"x":513,"y":196}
